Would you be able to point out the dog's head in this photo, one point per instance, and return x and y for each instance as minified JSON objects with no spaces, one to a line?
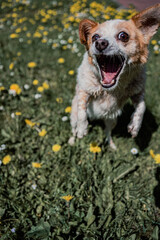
{"x":114,"y":45}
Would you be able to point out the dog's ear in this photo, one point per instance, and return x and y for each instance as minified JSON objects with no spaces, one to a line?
{"x":148,"y":21}
{"x":85,"y":27}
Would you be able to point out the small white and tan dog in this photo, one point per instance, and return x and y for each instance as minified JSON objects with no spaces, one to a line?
{"x":112,"y":71}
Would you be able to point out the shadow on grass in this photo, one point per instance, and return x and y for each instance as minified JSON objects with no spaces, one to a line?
{"x":156,"y":191}
{"x":149,"y":126}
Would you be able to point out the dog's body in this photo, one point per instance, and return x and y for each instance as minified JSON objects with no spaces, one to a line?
{"x":112,"y":71}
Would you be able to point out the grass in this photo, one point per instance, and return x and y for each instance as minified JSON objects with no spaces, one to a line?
{"x":115,"y":194}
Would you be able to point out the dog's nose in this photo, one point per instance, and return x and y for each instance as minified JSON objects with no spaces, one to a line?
{"x":101,"y":44}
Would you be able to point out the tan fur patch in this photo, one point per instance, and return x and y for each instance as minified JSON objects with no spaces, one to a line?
{"x":83,"y":98}
{"x":86,"y":27}
{"x":92,"y":31}
{"x":90,"y":60}
{"x":135,"y":35}
{"x":148,"y":21}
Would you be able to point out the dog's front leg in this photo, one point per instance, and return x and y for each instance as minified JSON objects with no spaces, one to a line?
{"x":82,"y":123}
{"x":137,"y":116}
{"x":109,"y":125}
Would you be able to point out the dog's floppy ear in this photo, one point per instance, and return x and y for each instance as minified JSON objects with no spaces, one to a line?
{"x":148,"y":21}
{"x":85,"y":27}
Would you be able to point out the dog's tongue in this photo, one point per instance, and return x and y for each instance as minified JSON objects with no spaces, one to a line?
{"x":108,"y":77}
{"x":109,"y":71}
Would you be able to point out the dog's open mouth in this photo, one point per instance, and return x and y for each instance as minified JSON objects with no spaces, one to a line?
{"x":110,"y":67}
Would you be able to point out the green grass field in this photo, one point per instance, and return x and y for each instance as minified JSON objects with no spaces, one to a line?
{"x":115,"y":194}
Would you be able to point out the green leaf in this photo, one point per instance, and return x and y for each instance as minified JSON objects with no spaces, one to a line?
{"x":5,"y":134}
{"x":155,"y":233}
{"x":132,"y":237}
{"x":40,"y":231}
{"x":2,"y":211}
{"x":73,"y":223}
{"x":90,"y":216}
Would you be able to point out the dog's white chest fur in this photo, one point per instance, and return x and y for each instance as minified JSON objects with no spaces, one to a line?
{"x":103,"y":106}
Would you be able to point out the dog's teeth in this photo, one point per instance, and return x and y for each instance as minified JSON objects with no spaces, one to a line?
{"x":113,"y":81}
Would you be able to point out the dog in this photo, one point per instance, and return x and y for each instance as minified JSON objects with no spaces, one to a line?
{"x":112,"y":71}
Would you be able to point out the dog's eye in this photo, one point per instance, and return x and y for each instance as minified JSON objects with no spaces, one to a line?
{"x":123,"y":36}
{"x":95,"y":37}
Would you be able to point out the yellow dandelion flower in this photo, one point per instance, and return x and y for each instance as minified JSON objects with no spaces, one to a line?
{"x":118,"y":17}
{"x":45,"y":33}
{"x":28,"y":34}
{"x":2,"y":88}
{"x":36,"y":165}
{"x":67,"y":25}
{"x":156,"y":52}
{"x":30,"y":123}
{"x":94,"y":148}
{"x":78,"y":20}
{"x":45,"y":85}
{"x":47,"y":16}
{"x":32,"y":21}
{"x":71,"y":19}
{"x":54,"y":45}
{"x":61,"y":60}
{"x":11,"y":66}
{"x":15,"y":87}
{"x":18,"y":30}
{"x":153,"y":42}
{"x":35,"y":82}
{"x":59,"y":100}
{"x":44,"y":40}
{"x":29,"y":41}
{"x":18,"y":113}
{"x":6,"y":159}
{"x":49,"y":11}
{"x":56,"y":148}
{"x":68,"y":109}
{"x":32,"y":64}
{"x":157,"y":158}
{"x":37,"y":35}
{"x":14,"y":15}
{"x":152,"y":153}
{"x":106,"y":17}
{"x":67,"y":198}
{"x":71,"y":72}
{"x":14,"y":35}
{"x":70,"y":40}
{"x":41,"y":27}
{"x":40,"y":89}
{"x":43,"y":20}
{"x":42,"y":133}
{"x":19,"y":54}
{"x":64,"y":47}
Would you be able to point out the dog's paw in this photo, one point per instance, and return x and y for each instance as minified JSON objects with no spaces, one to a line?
{"x":112,"y":145}
{"x":81,"y":134}
{"x":82,"y":129}
{"x":133,"y":129}
{"x":71,"y":141}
